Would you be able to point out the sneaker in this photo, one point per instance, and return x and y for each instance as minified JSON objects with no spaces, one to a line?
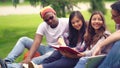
{"x":3,"y":64}
{"x":8,"y":61}
{"x":25,"y":65}
{"x":33,"y":65}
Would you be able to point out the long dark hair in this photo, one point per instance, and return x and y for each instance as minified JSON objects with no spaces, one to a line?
{"x":116,"y":6}
{"x":74,"y":34}
{"x":91,"y":37}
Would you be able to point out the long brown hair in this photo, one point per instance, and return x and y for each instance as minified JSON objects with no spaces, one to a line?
{"x":91,"y":37}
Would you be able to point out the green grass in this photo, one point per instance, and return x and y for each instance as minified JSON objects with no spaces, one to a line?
{"x":5,"y":3}
{"x":13,"y":27}
{"x":110,"y":22}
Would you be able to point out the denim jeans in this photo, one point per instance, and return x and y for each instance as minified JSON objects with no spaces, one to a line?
{"x":112,"y":60}
{"x":82,"y":62}
{"x":25,"y":42}
{"x":62,"y":62}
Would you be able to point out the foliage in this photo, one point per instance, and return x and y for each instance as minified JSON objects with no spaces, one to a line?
{"x":66,"y":6}
{"x":34,"y":2}
{"x":61,"y":6}
{"x":15,"y":2}
{"x":97,"y":5}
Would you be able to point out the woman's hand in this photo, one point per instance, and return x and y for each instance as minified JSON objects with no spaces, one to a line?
{"x":81,"y":54}
{"x":96,"y":51}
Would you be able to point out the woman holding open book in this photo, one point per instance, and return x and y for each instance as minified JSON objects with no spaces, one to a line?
{"x":95,"y":34}
{"x":74,"y":39}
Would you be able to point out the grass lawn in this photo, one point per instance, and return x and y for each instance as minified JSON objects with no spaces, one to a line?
{"x":13,"y":27}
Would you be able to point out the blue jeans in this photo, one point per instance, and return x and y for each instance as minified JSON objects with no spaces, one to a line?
{"x":112,"y":60}
{"x":57,"y":60}
{"x":82,"y":62}
{"x":25,"y":42}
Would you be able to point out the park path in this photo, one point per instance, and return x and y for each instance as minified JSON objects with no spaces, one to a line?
{"x":10,"y":10}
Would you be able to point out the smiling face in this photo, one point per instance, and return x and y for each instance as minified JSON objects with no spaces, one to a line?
{"x":76,"y":23}
{"x":51,"y":19}
{"x":96,"y":21}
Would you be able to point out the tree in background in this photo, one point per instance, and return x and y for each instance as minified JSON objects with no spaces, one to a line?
{"x":97,"y":5}
{"x":61,"y":6}
{"x":65,"y":6}
{"x":15,"y":2}
{"x":34,"y":2}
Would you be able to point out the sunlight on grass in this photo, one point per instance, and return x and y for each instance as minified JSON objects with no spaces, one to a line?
{"x":20,"y":20}
{"x":109,"y":21}
{"x":13,"y":27}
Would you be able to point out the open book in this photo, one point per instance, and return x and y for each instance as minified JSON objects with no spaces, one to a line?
{"x":72,"y":51}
